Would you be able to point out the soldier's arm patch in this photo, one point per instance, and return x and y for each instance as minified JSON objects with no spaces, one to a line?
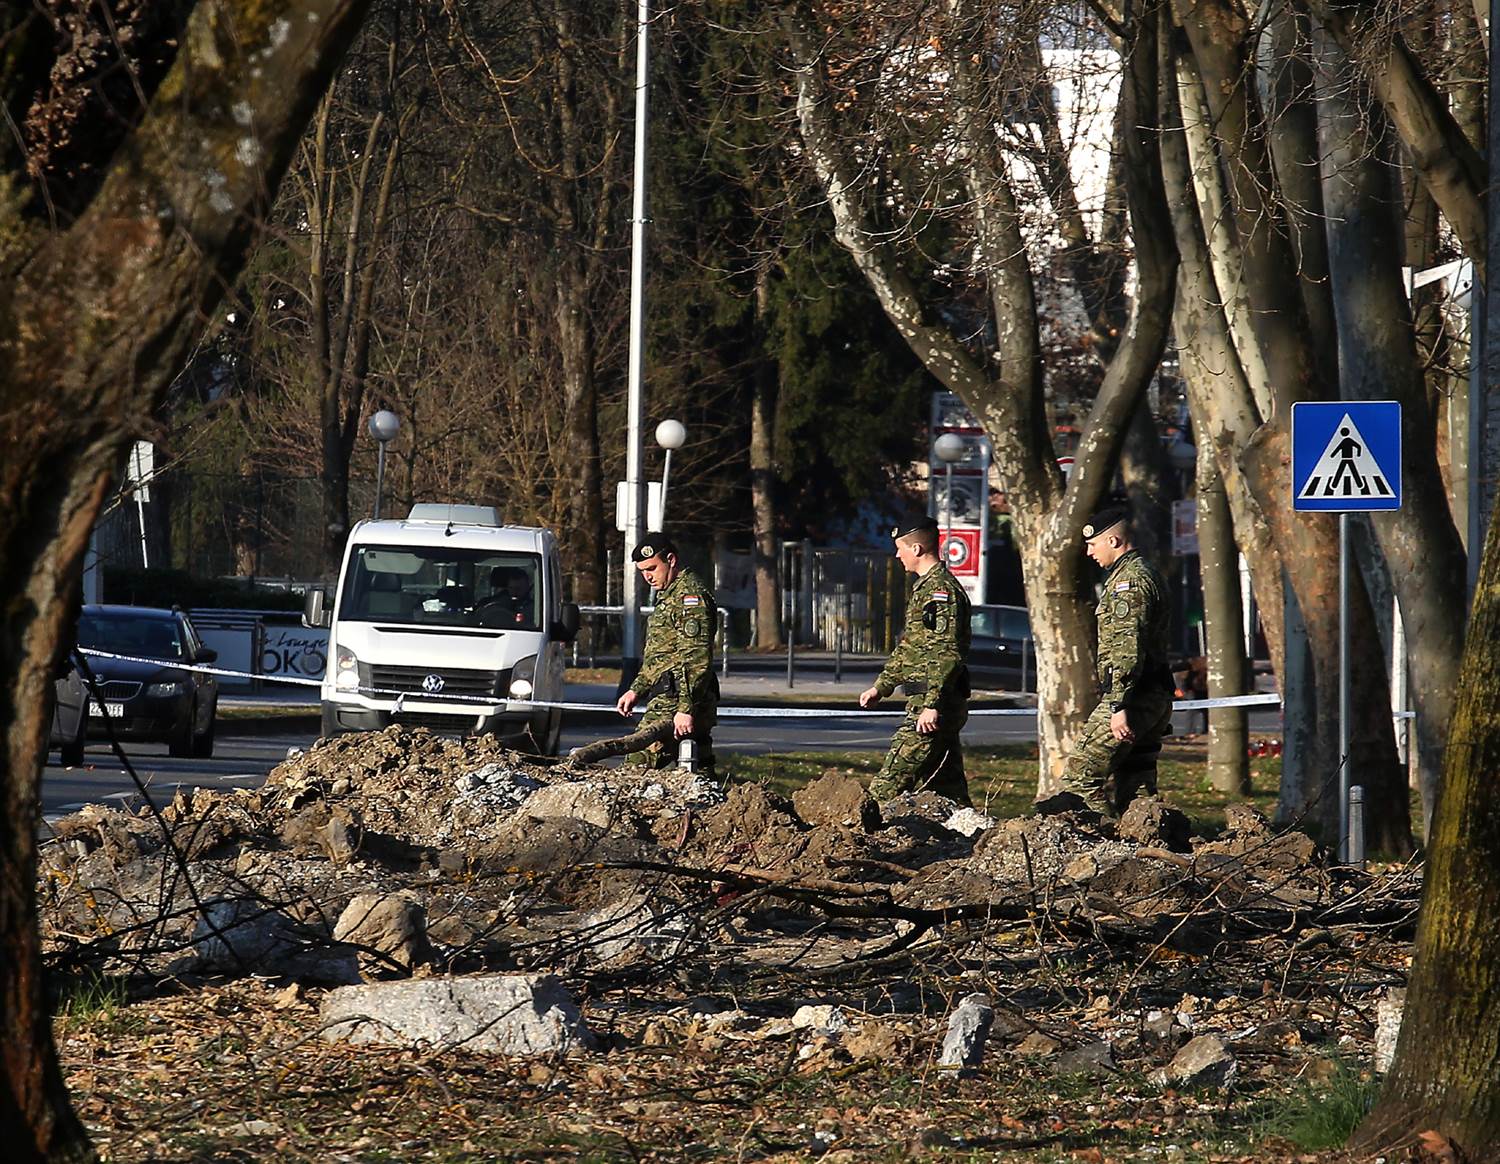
{"x":1122,"y":608}
{"x":691,"y":627}
{"x":935,"y":616}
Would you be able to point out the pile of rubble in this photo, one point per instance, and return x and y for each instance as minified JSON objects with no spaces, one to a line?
{"x":455,"y":894}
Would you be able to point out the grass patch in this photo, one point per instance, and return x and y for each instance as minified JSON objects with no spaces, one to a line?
{"x":1003,"y":779}
{"x":1322,"y":1113}
{"x":96,"y":1001}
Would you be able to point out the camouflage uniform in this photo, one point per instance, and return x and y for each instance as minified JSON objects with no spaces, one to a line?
{"x":929,"y":662}
{"x":677,"y":672}
{"x":1133,"y":676}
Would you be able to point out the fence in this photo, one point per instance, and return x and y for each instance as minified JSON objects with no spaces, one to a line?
{"x":835,"y":599}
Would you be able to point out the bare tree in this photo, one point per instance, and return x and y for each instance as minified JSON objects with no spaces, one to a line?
{"x":115,"y":247}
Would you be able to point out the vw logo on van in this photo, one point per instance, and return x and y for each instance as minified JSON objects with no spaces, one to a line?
{"x":432,"y":684}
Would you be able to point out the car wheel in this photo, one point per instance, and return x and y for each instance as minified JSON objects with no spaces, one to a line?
{"x":203,"y":745}
{"x":180,"y":742}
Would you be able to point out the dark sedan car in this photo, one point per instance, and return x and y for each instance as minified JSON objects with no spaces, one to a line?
{"x":1002,"y":654}
{"x":152,"y":695}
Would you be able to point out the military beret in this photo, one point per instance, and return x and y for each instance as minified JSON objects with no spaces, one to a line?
{"x":1106,"y":518}
{"x":653,"y":546}
{"x":914,"y":525}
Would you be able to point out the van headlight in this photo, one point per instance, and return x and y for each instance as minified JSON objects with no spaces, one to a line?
{"x":345,"y":670}
{"x":523,"y":678}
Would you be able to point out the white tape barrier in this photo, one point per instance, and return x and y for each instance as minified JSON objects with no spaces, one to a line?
{"x":737,"y":712}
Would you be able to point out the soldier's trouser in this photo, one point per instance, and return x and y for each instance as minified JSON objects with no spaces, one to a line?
{"x":663,"y":753}
{"x":916,"y":761}
{"x":1109,"y":772}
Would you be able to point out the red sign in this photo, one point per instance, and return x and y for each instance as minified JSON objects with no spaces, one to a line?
{"x":961,"y":552}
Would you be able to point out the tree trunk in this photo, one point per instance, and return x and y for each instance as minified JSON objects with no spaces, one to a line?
{"x":94,"y":325}
{"x":1379,"y":361}
{"x":1446,"y":1076}
{"x":763,"y":482}
{"x":1224,"y":629}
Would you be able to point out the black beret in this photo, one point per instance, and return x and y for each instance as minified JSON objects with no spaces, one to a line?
{"x":1106,"y":518}
{"x":653,"y":545}
{"x":913,"y":525}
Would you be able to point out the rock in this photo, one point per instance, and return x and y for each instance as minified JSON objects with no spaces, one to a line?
{"x":338,"y":838}
{"x":1149,"y":821}
{"x":625,"y":930}
{"x":1062,"y":804}
{"x":968,"y":1028}
{"x":577,"y":799}
{"x":968,"y":822}
{"x":498,"y":1014}
{"x":1096,"y":1058}
{"x":390,"y":924}
{"x":834,"y":799}
{"x":1037,"y":1044}
{"x":1162,"y":1028}
{"x":246,"y":936}
{"x":1245,"y":820}
{"x":874,"y":1041}
{"x":1388,"y":1012}
{"x":820,"y":1018}
{"x":1204,"y":1062}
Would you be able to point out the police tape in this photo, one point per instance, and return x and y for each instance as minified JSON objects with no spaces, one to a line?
{"x":428,"y":697}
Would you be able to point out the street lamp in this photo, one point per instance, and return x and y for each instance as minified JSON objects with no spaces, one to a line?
{"x":384,"y":426}
{"x":670,"y":434}
{"x":949,"y":448}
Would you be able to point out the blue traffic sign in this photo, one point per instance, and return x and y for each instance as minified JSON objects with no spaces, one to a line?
{"x":1346,"y":455}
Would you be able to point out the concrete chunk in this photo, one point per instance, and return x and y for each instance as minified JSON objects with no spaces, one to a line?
{"x":968,"y":1028}
{"x":496,"y":1014}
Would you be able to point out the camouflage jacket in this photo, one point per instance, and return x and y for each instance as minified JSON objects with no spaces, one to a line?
{"x":930,"y":658}
{"x":679,"y":652}
{"x":1134,"y":625}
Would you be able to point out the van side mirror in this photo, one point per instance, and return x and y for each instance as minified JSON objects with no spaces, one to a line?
{"x":315,"y":611}
{"x":565,"y":629}
{"x":206,"y":655}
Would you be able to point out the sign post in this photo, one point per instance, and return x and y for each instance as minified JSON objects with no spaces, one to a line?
{"x":959,"y":497}
{"x":1346,"y":458}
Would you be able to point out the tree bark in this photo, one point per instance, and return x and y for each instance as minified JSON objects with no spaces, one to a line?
{"x":94,"y":323}
{"x":1446,"y":1076}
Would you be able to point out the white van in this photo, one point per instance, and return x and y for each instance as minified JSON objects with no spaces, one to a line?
{"x":444,"y":620}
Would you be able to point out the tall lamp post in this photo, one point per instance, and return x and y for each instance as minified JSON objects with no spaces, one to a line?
{"x":670,"y":434}
{"x":950,"y":449}
{"x":384,"y":426}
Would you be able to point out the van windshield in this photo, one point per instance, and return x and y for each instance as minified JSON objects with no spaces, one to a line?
{"x":442,"y":586}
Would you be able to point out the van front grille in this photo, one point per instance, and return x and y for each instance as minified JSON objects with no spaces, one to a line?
{"x":454,"y":681}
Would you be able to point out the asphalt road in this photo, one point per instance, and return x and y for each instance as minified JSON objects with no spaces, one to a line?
{"x":242,"y":758}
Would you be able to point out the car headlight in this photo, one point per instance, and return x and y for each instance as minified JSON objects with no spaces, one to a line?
{"x":522,"y":678}
{"x":166,"y":690}
{"x":345,"y":670}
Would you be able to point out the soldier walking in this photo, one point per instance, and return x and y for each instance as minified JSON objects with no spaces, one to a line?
{"x":1114,"y":757}
{"x":677,"y":671}
{"x":929,"y":663}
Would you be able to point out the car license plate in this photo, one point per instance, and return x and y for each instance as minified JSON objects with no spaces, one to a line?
{"x":112,"y":710}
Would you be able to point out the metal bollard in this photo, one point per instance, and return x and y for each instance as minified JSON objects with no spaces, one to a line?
{"x":687,"y":754}
{"x":1356,"y":839}
{"x":838,"y":655}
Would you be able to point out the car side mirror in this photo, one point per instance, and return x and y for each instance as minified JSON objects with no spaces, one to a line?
{"x":565,"y":629}
{"x":206,"y":655}
{"x":315,"y":611}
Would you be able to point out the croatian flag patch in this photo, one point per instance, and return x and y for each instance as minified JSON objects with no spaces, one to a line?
{"x":691,"y":600}
{"x":943,"y":594}
{"x":1121,"y":586}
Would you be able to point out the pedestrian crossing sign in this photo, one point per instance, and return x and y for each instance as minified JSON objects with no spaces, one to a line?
{"x":1346,"y":455}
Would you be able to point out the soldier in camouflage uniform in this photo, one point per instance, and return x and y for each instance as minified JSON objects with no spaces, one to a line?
{"x":1114,"y":757}
{"x":677,"y":672}
{"x":929,"y":663}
